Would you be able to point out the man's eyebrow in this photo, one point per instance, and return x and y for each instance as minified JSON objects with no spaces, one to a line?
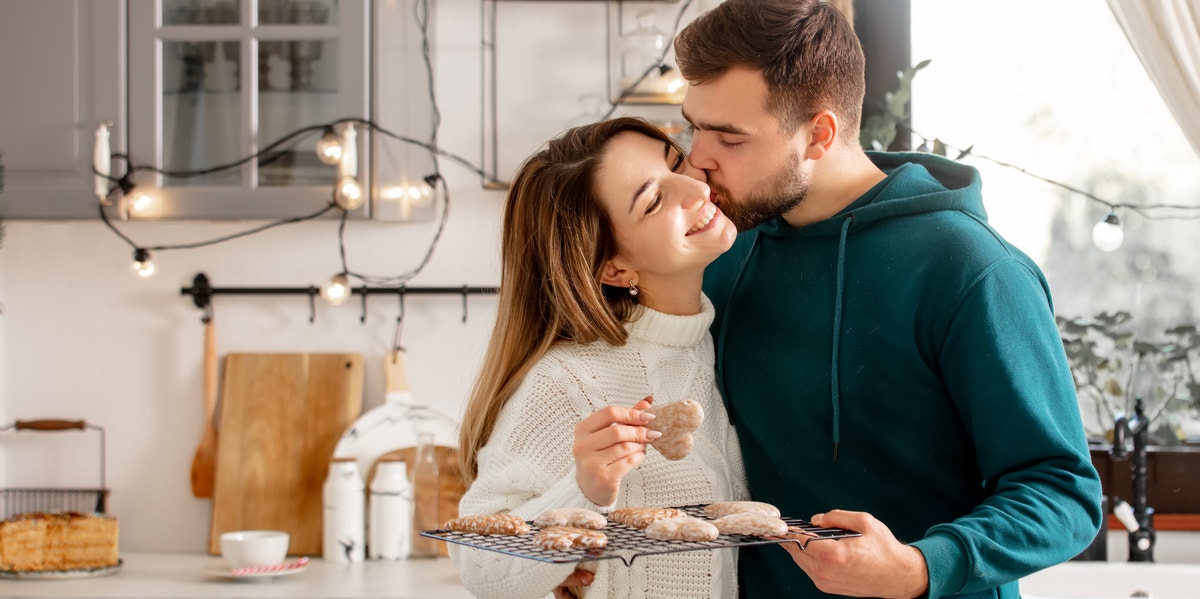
{"x":718,"y":127}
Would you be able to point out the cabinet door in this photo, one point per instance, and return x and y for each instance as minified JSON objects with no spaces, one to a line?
{"x":61,"y":74}
{"x":213,"y":82}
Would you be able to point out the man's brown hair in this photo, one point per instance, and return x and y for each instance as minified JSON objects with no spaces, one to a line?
{"x":806,"y":51}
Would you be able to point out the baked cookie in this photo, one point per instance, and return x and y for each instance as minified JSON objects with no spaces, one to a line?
{"x":685,"y":528}
{"x":575,"y":517}
{"x":725,"y":508}
{"x":492,"y":524}
{"x":676,"y":421}
{"x":751,"y":523}
{"x":558,"y":538}
{"x":641,"y":517}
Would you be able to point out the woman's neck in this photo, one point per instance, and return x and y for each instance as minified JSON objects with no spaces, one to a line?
{"x":678,"y":295}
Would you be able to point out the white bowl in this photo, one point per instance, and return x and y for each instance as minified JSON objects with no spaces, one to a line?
{"x":249,"y":548}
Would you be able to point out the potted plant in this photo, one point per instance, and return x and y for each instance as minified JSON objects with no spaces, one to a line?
{"x":1112,"y":368}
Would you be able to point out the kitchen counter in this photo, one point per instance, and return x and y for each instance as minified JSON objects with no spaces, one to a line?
{"x":182,"y":576}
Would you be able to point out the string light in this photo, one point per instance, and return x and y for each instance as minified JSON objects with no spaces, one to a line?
{"x":143,"y":204}
{"x":143,"y":266}
{"x":336,"y":290}
{"x":348,"y":193}
{"x":1107,"y":234}
{"x":329,"y":148}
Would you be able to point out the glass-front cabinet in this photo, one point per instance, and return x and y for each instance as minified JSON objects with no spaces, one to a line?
{"x":217,"y":83}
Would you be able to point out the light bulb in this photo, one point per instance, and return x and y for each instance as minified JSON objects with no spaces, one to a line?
{"x":1107,"y":234}
{"x":348,"y":167}
{"x":348,"y":193}
{"x":420,"y":194}
{"x":143,"y":266}
{"x":329,"y":148}
{"x":672,"y":81}
{"x":336,"y":290}
{"x":143,"y":204}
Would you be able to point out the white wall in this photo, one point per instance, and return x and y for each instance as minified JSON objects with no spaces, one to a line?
{"x":83,"y":339}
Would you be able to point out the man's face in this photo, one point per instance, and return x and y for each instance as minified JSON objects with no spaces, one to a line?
{"x":755,"y":171}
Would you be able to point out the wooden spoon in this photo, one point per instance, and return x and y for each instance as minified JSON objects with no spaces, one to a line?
{"x":204,"y":463}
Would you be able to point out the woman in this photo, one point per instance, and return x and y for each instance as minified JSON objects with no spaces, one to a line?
{"x":605,"y":241}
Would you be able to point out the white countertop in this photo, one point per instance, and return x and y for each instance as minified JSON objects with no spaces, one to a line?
{"x":182,"y":576}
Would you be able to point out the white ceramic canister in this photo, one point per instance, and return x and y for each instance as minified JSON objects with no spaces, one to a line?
{"x":389,"y":532}
{"x":345,"y":503}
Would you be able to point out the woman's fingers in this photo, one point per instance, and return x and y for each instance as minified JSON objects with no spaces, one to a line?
{"x":608,"y":416}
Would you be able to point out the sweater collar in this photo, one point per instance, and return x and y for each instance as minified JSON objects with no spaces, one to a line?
{"x":670,"y":329}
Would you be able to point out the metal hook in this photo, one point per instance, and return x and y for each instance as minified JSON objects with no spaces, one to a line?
{"x":363,"y":319}
{"x":464,"y":300}
{"x":208,"y":313}
{"x":312,"y":305}
{"x":399,"y":323}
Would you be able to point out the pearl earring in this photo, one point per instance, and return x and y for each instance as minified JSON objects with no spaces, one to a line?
{"x":633,"y":290}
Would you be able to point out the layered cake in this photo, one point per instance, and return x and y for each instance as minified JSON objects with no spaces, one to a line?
{"x":37,"y":542}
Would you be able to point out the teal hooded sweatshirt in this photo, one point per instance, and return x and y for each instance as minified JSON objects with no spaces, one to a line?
{"x":901,"y":358}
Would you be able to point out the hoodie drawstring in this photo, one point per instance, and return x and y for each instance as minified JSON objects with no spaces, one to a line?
{"x":837,"y":334}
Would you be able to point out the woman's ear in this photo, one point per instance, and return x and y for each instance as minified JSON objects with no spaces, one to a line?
{"x":616,"y":275}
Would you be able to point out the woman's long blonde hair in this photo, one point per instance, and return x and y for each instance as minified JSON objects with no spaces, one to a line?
{"x":556,"y":240}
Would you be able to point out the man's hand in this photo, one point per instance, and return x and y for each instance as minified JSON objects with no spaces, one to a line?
{"x":873,"y":565}
{"x":608,"y":444}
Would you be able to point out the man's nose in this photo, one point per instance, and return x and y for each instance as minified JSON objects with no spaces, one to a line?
{"x":700,"y":157}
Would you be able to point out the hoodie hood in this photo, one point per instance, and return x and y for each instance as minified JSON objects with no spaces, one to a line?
{"x":915,"y":183}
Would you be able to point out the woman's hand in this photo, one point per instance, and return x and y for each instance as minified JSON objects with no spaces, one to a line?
{"x":572,"y":587}
{"x":608,"y":444}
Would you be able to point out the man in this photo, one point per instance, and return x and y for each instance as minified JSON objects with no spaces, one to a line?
{"x":891,"y":363}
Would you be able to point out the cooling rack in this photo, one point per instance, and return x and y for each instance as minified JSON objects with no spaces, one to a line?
{"x":627,"y":543}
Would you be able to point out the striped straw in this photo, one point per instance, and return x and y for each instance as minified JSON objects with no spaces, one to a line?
{"x":299,"y":563}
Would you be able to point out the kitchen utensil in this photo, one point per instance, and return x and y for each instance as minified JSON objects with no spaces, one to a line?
{"x":280,"y":416}
{"x":15,"y":501}
{"x":204,"y":462}
{"x":395,"y":424}
{"x":627,"y":543}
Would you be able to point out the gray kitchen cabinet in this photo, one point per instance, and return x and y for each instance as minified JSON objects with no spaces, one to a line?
{"x":61,"y":73}
{"x":209,"y":83}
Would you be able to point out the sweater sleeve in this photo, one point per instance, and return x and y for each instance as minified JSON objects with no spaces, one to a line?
{"x":1005,"y":368}
{"x":525,"y":468}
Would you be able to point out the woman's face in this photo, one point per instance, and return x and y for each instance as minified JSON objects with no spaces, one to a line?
{"x":664,"y":223}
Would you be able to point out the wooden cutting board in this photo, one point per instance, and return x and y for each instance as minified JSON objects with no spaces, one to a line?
{"x":280,"y":417}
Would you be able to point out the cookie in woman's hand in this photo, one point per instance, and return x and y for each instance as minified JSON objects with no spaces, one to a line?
{"x":676,"y":421}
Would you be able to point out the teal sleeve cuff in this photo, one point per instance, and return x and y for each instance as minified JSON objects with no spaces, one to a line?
{"x":946,"y":563}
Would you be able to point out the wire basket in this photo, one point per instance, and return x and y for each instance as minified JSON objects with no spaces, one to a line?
{"x":627,"y":543}
{"x":15,"y":501}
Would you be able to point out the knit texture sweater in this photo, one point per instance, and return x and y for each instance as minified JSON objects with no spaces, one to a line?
{"x":527,"y":466}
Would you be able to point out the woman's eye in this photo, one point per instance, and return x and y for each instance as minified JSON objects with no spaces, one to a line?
{"x":654,"y":203}
{"x":678,"y":163}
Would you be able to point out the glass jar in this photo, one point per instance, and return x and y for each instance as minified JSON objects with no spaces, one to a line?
{"x":641,"y":50}
{"x":425,"y":489}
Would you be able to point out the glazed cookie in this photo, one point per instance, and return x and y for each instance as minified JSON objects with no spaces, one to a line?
{"x":558,"y":538}
{"x":685,"y":528}
{"x":575,"y":517}
{"x":725,"y":508}
{"x":676,"y":421}
{"x":494,"y":524}
{"x":751,"y":523}
{"x":641,"y":517}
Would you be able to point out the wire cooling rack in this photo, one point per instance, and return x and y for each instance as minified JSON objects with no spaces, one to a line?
{"x":627,"y":543}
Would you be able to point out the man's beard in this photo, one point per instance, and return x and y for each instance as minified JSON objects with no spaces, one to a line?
{"x":782,"y":192}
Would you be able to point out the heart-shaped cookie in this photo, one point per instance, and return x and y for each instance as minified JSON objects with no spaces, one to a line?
{"x":676,"y":421}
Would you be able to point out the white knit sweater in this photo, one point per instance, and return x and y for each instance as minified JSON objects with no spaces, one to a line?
{"x":527,"y":466}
